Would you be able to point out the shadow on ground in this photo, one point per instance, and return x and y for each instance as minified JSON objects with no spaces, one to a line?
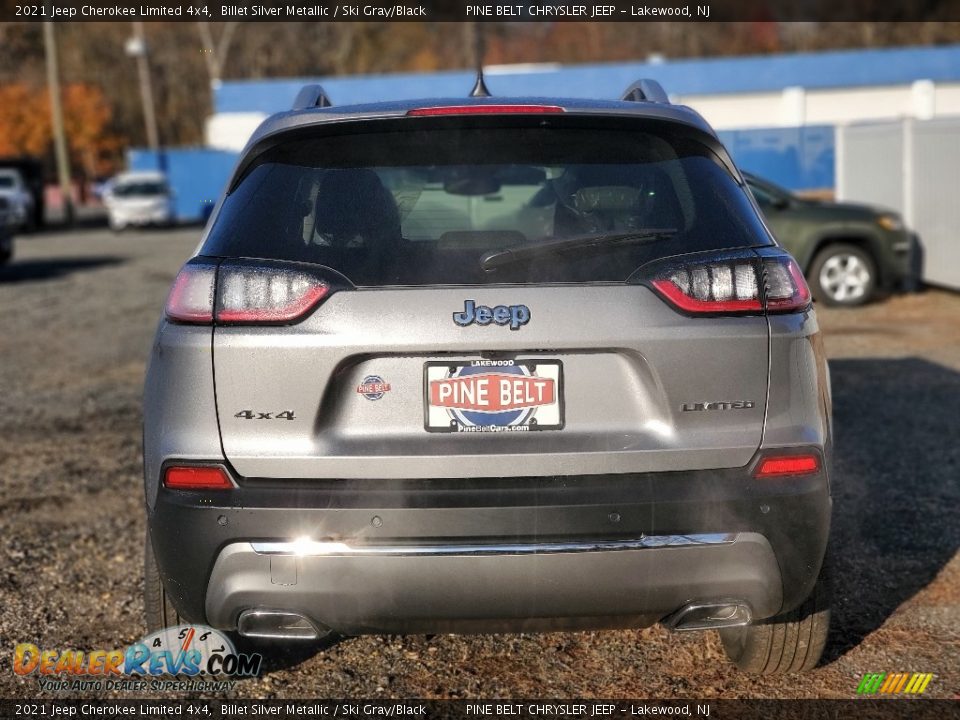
{"x":897,"y":460}
{"x":51,"y":268}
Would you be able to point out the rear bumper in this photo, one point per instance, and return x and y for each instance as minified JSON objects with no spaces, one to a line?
{"x":492,"y":554}
{"x":433,"y":589}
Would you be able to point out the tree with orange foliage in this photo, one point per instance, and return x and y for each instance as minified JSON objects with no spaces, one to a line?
{"x":25,"y":127}
{"x":86,"y":119}
{"x":24,"y":121}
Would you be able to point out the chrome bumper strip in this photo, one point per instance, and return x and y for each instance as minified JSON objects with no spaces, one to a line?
{"x":309,"y":548}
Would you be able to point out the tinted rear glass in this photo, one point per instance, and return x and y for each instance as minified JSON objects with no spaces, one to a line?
{"x":424,"y":206}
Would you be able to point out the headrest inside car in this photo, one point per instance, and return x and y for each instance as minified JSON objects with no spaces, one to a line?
{"x":612,"y":198}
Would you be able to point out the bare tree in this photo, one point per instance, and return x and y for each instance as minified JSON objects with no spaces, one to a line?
{"x":215,"y":52}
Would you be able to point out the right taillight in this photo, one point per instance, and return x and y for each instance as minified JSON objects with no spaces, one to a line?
{"x":734,"y":286}
{"x":717,"y":287}
{"x":786,"y":288}
{"x":243,"y":294}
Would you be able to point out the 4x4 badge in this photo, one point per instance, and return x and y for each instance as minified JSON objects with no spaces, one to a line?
{"x":512,"y":315}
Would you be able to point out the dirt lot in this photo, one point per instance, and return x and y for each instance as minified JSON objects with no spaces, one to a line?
{"x":78,"y":312}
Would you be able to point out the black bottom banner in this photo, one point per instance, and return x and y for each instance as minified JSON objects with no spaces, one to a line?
{"x":470,"y":709}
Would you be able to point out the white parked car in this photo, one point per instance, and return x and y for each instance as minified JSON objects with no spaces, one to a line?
{"x":139,"y":198}
{"x":14,"y":190}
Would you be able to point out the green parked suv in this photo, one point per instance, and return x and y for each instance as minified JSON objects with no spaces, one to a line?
{"x":848,"y":252}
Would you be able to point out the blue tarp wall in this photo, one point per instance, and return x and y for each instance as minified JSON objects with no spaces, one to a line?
{"x":197,"y":176}
{"x":697,"y":76}
{"x":799,"y":158}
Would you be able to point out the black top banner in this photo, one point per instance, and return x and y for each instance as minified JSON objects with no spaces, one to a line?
{"x":483,"y":10}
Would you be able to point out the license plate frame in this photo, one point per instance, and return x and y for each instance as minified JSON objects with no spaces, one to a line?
{"x":458,"y":419}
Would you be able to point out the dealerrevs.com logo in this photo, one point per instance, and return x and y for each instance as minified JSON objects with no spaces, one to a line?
{"x":185,"y":657}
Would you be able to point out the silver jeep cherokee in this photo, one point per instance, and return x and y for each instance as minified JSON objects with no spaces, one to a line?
{"x":487,"y":365}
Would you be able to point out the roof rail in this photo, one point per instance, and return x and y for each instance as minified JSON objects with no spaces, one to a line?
{"x":311,"y":96}
{"x":647,"y":90}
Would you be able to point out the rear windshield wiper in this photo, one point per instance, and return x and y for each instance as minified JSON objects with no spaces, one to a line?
{"x":575,"y":243}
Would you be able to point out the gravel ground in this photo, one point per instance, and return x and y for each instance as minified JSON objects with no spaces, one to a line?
{"x":78,"y":314}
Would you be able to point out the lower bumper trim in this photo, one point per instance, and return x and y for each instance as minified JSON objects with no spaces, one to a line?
{"x":305,"y":547}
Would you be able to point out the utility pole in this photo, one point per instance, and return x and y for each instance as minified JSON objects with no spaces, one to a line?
{"x":56,"y":113}
{"x":137,"y":48}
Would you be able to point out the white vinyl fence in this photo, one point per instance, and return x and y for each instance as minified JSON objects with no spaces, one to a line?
{"x":912,"y":166}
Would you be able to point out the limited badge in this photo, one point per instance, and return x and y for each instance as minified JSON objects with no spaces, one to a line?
{"x":373,"y":387}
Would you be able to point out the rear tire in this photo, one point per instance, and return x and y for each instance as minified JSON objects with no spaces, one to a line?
{"x":160,"y":612}
{"x":843,"y":275}
{"x":788,"y":643}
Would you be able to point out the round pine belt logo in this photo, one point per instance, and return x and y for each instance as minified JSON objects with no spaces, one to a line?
{"x":373,"y":387}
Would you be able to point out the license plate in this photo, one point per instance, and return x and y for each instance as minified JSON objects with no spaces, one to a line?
{"x":493,"y":395}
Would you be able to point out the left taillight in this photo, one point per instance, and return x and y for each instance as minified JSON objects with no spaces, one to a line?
{"x":252,"y":294}
{"x":243,"y":294}
{"x":191,"y":297}
{"x":733,"y":286}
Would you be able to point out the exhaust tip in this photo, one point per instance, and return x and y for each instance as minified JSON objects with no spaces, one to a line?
{"x":710,"y":616}
{"x":279,"y":625}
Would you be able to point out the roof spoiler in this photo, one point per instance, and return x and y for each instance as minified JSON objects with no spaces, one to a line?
{"x":312,"y":96}
{"x":646,"y":90}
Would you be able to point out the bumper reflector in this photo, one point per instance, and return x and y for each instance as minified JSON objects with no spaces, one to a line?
{"x":196,"y":478}
{"x":778,"y":466}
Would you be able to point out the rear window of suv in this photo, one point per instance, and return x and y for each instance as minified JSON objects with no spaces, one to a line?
{"x":425,"y":205}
